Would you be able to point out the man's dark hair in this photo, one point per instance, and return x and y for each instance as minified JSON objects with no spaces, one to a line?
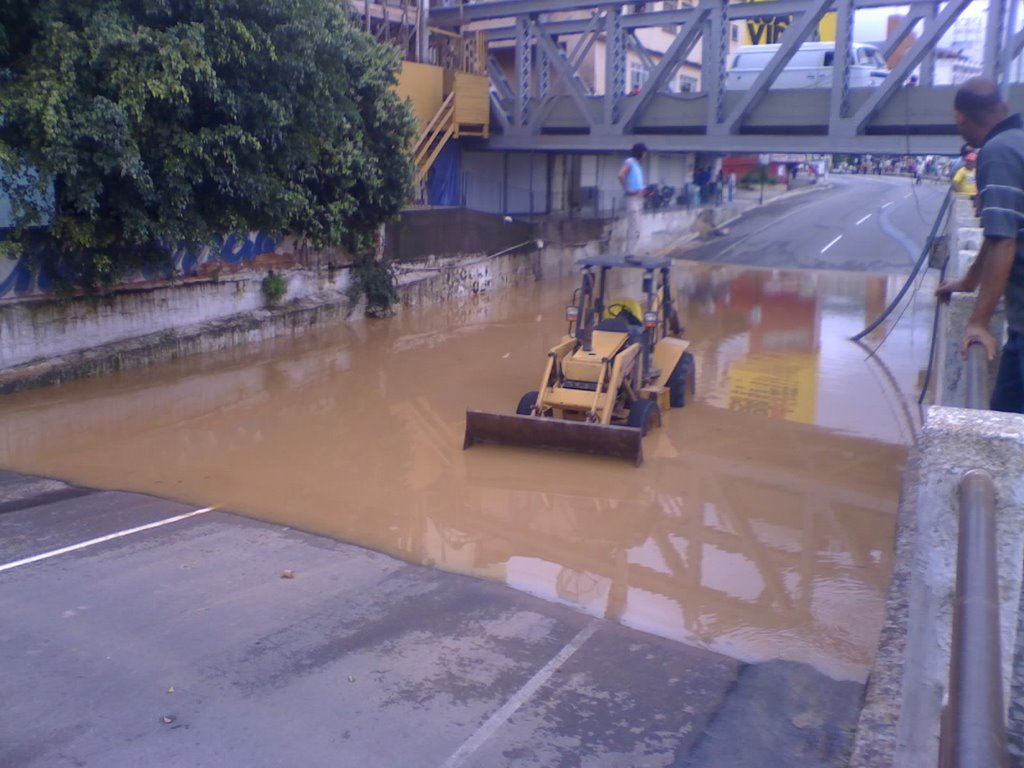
{"x":638,"y":150}
{"x":978,"y":99}
{"x":965,"y":150}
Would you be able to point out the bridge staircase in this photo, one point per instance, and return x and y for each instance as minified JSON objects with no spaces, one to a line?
{"x":451,"y":95}
{"x":464,"y":112}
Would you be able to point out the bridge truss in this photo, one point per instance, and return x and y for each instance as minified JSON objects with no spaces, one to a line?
{"x":547,"y":105}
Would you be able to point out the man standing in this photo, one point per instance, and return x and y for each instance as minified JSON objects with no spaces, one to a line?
{"x":631,"y":177}
{"x":983,"y":119}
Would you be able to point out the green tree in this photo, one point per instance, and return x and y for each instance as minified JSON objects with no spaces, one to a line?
{"x":162,"y":122}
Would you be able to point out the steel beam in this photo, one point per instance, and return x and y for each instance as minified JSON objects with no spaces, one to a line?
{"x":585,"y":41}
{"x":1016,"y":45}
{"x":933,"y":32}
{"x":839,"y":101}
{"x":794,"y":35}
{"x":670,"y":61}
{"x":928,"y":65}
{"x":994,"y":61}
{"x":715,"y":52}
{"x":906,"y":26}
{"x":615,"y":67}
{"x":633,"y":44}
{"x":489,"y":10}
{"x":498,"y":80}
{"x":498,"y":111}
{"x":524,"y":72}
{"x":565,"y":71}
{"x":893,"y":144}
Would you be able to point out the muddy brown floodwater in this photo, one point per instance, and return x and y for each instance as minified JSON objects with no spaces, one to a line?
{"x":760,"y":525}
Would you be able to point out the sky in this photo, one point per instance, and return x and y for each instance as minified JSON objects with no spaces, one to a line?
{"x":869,"y":24}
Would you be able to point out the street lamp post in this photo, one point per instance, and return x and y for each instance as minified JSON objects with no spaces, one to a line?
{"x":762,"y":160}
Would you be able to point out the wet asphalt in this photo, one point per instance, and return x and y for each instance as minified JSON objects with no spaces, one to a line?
{"x":214,"y":639}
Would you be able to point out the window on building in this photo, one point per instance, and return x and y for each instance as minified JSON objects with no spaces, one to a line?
{"x":687,"y":84}
{"x":734,"y":32}
{"x":637,"y":76}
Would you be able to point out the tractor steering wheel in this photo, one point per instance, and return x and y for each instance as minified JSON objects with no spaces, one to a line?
{"x":621,"y":310}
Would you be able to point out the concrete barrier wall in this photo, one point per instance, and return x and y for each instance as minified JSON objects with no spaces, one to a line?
{"x":954,"y":441}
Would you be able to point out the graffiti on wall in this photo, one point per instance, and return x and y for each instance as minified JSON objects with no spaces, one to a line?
{"x":26,"y":276}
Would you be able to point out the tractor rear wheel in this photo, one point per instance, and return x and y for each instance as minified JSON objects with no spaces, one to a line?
{"x":681,"y":380}
{"x":527,"y":403}
{"x":643,"y":415}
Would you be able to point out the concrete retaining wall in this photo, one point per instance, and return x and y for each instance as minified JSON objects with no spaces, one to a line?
{"x":135,"y":327}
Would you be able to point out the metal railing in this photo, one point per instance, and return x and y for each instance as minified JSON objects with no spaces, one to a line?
{"x":974,"y":728}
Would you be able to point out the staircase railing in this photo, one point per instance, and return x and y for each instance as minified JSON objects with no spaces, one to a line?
{"x":435,"y":136}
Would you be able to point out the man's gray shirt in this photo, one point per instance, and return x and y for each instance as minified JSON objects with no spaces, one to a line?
{"x":1001,"y":186}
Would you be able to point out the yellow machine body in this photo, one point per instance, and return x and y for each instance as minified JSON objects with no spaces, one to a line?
{"x":594,"y":378}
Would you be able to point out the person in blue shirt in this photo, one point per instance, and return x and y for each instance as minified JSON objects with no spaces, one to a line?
{"x":631,"y":177}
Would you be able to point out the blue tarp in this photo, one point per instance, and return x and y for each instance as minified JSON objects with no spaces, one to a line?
{"x":443,"y":183}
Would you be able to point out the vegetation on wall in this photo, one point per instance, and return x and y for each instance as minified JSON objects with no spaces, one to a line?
{"x":274,"y":287}
{"x":149,"y":123}
{"x":375,"y":282}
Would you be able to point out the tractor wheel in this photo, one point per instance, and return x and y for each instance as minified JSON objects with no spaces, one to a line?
{"x":526,"y":404}
{"x":681,"y":380}
{"x":643,"y":415}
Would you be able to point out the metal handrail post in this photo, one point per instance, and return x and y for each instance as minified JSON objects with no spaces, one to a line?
{"x":977,"y":734}
{"x":976,"y":377}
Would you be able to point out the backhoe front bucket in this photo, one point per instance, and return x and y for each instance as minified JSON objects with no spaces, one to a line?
{"x":555,"y":434}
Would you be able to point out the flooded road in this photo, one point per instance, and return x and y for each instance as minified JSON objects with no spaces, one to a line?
{"x":759,"y":526}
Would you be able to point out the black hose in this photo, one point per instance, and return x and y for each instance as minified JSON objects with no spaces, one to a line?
{"x":929,"y":243}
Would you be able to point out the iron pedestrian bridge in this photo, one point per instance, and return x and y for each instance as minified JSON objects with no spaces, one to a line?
{"x":547,"y":105}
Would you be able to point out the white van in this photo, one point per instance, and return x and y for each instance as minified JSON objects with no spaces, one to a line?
{"x":810,"y":66}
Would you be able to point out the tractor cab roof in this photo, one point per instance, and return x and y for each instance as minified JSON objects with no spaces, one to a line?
{"x":634,"y":262}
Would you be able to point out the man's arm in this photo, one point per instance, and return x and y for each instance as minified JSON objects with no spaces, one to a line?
{"x":969,"y":281}
{"x":995,"y":274}
{"x":623,"y":172}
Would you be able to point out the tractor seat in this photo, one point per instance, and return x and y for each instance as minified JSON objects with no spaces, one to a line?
{"x":621,"y":325}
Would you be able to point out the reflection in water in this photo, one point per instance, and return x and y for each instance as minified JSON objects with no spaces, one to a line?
{"x":760,"y":524}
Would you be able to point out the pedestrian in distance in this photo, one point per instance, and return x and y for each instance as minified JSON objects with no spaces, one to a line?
{"x":965,"y":180}
{"x":631,"y":177}
{"x":732,"y":186}
{"x":984,"y":120}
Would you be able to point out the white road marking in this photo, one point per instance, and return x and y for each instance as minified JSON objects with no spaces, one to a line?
{"x":891,"y":202}
{"x":907,"y":195}
{"x":840,"y":237}
{"x":495,"y":721}
{"x":100,"y":540}
{"x":863,"y":219}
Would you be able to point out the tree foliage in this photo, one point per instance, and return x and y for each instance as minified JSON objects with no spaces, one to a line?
{"x":161,"y":122}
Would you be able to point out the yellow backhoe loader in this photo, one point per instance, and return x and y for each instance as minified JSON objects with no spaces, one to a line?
{"x":606,"y":382}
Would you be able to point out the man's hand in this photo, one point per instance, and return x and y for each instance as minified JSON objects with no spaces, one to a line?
{"x":944,"y":291}
{"x":979,"y":333}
